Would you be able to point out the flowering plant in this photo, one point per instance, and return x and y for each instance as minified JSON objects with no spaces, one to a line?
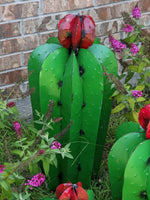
{"x":133,"y":53}
{"x":23,"y":148}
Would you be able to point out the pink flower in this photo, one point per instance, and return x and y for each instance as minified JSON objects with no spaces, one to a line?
{"x":136,"y":13}
{"x":56,"y":145}
{"x":10,"y":104}
{"x":134,"y":49}
{"x":2,"y":167}
{"x":17,"y":129}
{"x":116,"y":44}
{"x":36,"y":180}
{"x":128,"y":28}
{"x":136,"y":93}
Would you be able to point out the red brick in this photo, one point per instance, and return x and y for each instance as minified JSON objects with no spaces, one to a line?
{"x":18,"y":11}
{"x":18,"y":44}
{"x":26,"y":58}
{"x":103,"y":28}
{"x":105,"y":13}
{"x":52,"y":6}
{"x":10,"y":62}
{"x":145,"y":20}
{"x":45,"y":36}
{"x":6,"y":1}
{"x":41,"y":24}
{"x":102,"y":2}
{"x":12,"y":77}
{"x":15,"y":92}
{"x":9,"y":30}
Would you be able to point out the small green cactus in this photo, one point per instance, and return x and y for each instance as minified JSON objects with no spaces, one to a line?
{"x":74,"y":79}
{"x":129,"y":160}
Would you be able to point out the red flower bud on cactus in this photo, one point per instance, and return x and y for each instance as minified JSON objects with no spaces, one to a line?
{"x":144,"y":119}
{"x":64,"y":30}
{"x":78,"y":31}
{"x":88,"y":32}
{"x":69,"y":191}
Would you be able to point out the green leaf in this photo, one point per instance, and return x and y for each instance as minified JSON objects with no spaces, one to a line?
{"x":140,"y":99}
{"x":118,"y":108}
{"x":68,"y":155}
{"x":129,"y":76}
{"x":46,"y":164}
{"x":115,"y":93}
{"x":4,"y":184}
{"x":141,"y":67}
{"x":131,"y":39}
{"x":131,"y":102}
{"x":140,"y":87}
{"x":134,"y":68}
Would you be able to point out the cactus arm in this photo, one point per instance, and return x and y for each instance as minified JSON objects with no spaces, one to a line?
{"x":53,"y":40}
{"x":92,"y":102}
{"x":71,"y":98}
{"x":50,"y":76}
{"x":136,"y":173}
{"x":128,"y":127}
{"x":96,"y":41}
{"x":34,"y":65}
{"x":107,"y":58}
{"x":118,"y":158}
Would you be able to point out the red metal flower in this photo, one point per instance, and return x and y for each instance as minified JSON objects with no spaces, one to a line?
{"x":76,"y":31}
{"x":144,"y":119}
{"x":69,"y":191}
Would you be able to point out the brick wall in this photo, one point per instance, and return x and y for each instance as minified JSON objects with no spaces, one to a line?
{"x":25,"y":24}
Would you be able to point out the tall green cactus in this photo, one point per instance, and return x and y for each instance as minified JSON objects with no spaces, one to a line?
{"x":74,"y":80}
{"x":129,"y":160}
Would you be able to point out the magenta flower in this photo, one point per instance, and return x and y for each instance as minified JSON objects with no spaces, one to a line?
{"x":10,"y":104}
{"x":116,"y":44}
{"x":56,"y":145}
{"x":2,"y":167}
{"x":137,"y":93}
{"x":134,"y":49}
{"x":17,"y":128}
{"x":36,"y":180}
{"x":128,"y":28}
{"x":136,"y":13}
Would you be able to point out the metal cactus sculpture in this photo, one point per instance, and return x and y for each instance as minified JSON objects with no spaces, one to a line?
{"x":68,"y":69}
{"x":129,"y":160}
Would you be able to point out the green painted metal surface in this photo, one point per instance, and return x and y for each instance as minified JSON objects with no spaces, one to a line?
{"x":51,"y":74}
{"x":75,"y":84}
{"x":72,"y":99}
{"x":117,"y":161}
{"x":128,"y":127}
{"x":136,"y":173}
{"x":34,"y":65}
{"x":107,"y":58}
{"x":92,"y":80}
